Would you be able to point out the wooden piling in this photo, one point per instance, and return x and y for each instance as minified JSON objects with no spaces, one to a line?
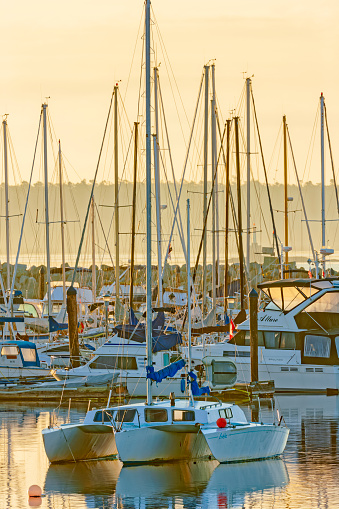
{"x":42,"y":289}
{"x":73,"y":327}
{"x":253,"y":298}
{"x":254,"y":335}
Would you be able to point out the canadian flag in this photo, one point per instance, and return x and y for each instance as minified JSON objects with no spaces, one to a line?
{"x":169,"y":252}
{"x":232,"y":328}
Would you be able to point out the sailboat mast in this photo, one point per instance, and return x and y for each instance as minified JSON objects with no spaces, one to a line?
{"x":4,"y":124}
{"x":285,"y":191}
{"x":227,"y":209}
{"x":116,"y":195}
{"x":188,"y":264}
{"x":148,"y":197}
{"x":248,"y":157}
{"x":204,"y":252}
{"x":241,"y":252}
{"x":94,"y":272}
{"x":214,"y":193}
{"x":44,"y":118}
{"x":136,"y":124}
{"x":157,"y":185}
{"x":323,"y":232}
{"x":62,"y":222}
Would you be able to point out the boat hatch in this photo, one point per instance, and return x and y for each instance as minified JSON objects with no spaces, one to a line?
{"x":156,"y":415}
{"x":183,"y":415}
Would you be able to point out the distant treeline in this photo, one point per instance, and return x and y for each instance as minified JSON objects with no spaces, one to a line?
{"x":76,"y":196}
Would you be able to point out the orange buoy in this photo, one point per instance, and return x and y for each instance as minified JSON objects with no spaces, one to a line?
{"x":221,"y":422}
{"x":34,"y":496}
{"x":34,"y":491}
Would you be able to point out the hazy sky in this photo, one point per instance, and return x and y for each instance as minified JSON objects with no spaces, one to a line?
{"x":74,"y":51}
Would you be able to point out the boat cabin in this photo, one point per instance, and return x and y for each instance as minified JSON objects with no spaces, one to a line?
{"x":18,"y":354}
{"x":301,"y":314}
{"x":181,"y":417}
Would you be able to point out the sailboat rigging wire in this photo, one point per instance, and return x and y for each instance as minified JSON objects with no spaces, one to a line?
{"x":235,"y":221}
{"x":23,"y":220}
{"x":173,"y":174}
{"x":184,"y":171}
{"x":301,"y":196}
{"x":331,"y":155}
{"x":194,"y":273}
{"x":311,"y":146}
{"x":266,"y":180}
{"x":103,"y":232}
{"x":166,"y":59}
{"x":119,"y":188}
{"x":91,"y":195}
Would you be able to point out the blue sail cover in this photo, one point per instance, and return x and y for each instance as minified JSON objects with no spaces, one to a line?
{"x":55,"y":326}
{"x":196,"y":390}
{"x":168,"y":371}
{"x":137,"y":332}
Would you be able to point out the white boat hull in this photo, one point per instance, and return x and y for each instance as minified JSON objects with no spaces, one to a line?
{"x":29,"y":373}
{"x":246,"y":443}
{"x":78,"y":442}
{"x":146,"y":445}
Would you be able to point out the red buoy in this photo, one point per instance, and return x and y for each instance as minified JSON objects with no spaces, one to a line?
{"x":221,"y":422}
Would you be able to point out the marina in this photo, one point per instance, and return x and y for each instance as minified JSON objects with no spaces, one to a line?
{"x":184,"y":352}
{"x":298,"y":476}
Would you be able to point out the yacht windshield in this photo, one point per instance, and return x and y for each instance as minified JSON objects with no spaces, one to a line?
{"x":288,"y":297}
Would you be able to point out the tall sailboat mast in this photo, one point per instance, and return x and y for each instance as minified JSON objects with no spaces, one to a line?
{"x":204,"y":249}
{"x":4,"y":124}
{"x":94,"y":272}
{"x":214,"y":194}
{"x":62,"y":230}
{"x":116,"y":195}
{"x":189,"y":318}
{"x":148,"y":197}
{"x":135,"y":166}
{"x":323,"y":232}
{"x":248,"y":157}
{"x":285,"y":193}
{"x":44,"y":118}
{"x":157,"y":186}
{"x":241,"y":252}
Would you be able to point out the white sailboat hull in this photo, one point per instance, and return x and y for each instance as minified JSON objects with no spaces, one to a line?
{"x":146,"y":445}
{"x":78,"y":442}
{"x":246,"y":443}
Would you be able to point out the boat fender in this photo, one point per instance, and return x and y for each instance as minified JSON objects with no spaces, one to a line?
{"x":221,"y":422}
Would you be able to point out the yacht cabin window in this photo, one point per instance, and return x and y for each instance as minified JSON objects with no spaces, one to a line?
{"x":28,"y":354}
{"x":288,"y":297}
{"x":29,"y":310}
{"x":125,"y":415}
{"x":337,"y":345}
{"x":317,"y":346}
{"x":103,"y":416}
{"x":226,"y":413}
{"x":155,"y":415}
{"x":114,"y":361}
{"x":10,"y":351}
{"x":327,"y":303}
{"x":183,"y":415}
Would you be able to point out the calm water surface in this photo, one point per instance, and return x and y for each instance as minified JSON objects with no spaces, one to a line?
{"x":307,"y":475}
